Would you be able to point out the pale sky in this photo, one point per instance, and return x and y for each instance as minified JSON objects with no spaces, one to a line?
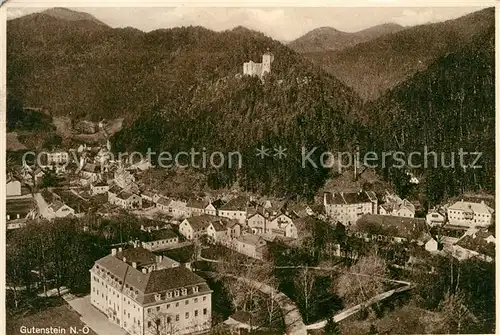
{"x":285,"y":23}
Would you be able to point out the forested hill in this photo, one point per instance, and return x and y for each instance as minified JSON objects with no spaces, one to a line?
{"x":447,"y":107}
{"x":373,"y":67}
{"x":85,"y":69}
{"x":182,"y":88}
{"x":329,"y":39}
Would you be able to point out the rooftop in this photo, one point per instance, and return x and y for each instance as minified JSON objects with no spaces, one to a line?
{"x":236,"y":204}
{"x":396,"y":226}
{"x":481,"y":207}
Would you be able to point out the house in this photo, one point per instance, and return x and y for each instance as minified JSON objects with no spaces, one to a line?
{"x":174,"y":208}
{"x":19,"y":210}
{"x":235,"y":209}
{"x":150,"y":225}
{"x":60,"y":210}
{"x":210,"y":209}
{"x":127,"y":200}
{"x":431,"y":245}
{"x":197,"y":207}
{"x":280,"y":225}
{"x":348,"y":207}
{"x":57,"y":157}
{"x":197,"y":226}
{"x":125,"y":180}
{"x":140,"y":292}
{"x":257,"y":223}
{"x":475,"y":244}
{"x":222,"y":233}
{"x":113,"y":191}
{"x":435,"y":217}
{"x":391,"y":228}
{"x":396,"y":206}
{"x":101,"y":187}
{"x":469,"y":214}
{"x":298,"y":210}
{"x":159,"y":239}
{"x":148,"y":196}
{"x":252,"y":246}
{"x":163,"y":204}
{"x":91,"y":172}
{"x":13,"y":188}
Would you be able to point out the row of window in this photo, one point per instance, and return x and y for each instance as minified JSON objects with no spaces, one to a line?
{"x":186,"y":302}
{"x":158,"y":321}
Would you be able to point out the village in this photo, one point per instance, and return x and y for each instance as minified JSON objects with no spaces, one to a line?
{"x":244,"y":223}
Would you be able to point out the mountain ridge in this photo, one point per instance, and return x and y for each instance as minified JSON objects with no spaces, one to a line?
{"x":372,"y":67}
{"x":329,"y":38}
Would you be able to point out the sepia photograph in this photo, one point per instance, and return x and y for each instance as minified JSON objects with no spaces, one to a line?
{"x":249,"y":170}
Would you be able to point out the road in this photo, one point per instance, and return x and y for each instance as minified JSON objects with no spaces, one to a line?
{"x":43,"y":207}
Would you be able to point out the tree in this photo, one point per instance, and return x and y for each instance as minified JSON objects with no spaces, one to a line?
{"x":363,"y":280}
{"x":332,"y":327}
{"x":457,"y":317}
{"x":304,"y":285}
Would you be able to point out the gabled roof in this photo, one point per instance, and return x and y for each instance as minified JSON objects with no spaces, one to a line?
{"x":252,"y":239}
{"x":356,"y":198}
{"x":201,"y":222}
{"x":219,"y":226}
{"x":100,"y":183}
{"x":57,"y":205}
{"x":115,"y":189}
{"x":162,"y":234}
{"x":124,"y":195}
{"x":475,"y":207}
{"x":172,"y":278}
{"x":478,"y":242}
{"x":195,"y":203}
{"x":163,"y":201}
{"x":89,"y":167}
{"x":236,"y":204}
{"x":140,"y":256}
{"x":334,"y":199}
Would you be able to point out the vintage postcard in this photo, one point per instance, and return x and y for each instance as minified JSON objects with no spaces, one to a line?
{"x":236,"y":168}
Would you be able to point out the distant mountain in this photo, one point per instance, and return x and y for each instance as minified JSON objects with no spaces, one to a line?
{"x":372,"y":67}
{"x":445,"y":108}
{"x":182,"y":88}
{"x":330,"y":39}
{"x":71,"y":15}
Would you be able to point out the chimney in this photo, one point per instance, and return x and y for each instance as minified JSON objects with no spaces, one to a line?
{"x":144,"y":270}
{"x":113,"y":252}
{"x":134,"y":265}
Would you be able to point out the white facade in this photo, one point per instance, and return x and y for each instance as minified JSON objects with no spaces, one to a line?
{"x":259,"y":69}
{"x":13,"y":188}
{"x":469,"y":214}
{"x":122,"y":293}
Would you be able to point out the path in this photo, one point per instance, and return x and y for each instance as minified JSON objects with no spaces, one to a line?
{"x":93,"y":318}
{"x":353,"y":310}
{"x":296,"y":327}
{"x":291,"y":315}
{"x":43,"y":207}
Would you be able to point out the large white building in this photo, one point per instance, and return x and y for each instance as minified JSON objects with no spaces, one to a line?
{"x":259,"y":69}
{"x":469,"y":214}
{"x":147,"y":294}
{"x":349,"y":207}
